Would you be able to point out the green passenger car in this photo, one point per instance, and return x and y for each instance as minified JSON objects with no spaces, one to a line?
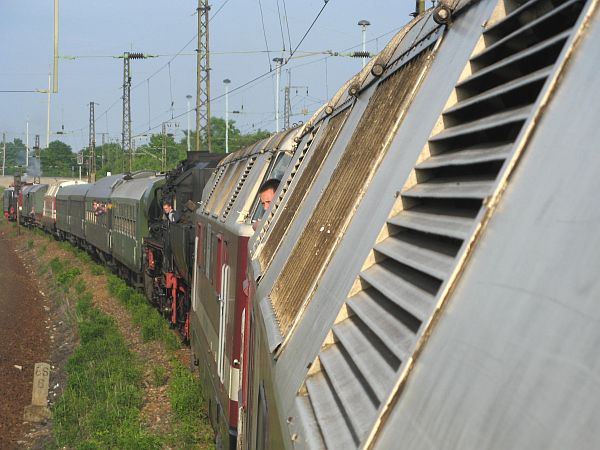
{"x":98,"y":216}
{"x":133,"y":202}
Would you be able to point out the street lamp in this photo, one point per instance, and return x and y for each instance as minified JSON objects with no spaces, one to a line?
{"x":189,"y":126}
{"x":363,"y":24}
{"x":226,"y":82}
{"x":277,"y":61}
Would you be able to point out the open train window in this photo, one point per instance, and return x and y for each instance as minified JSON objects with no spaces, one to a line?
{"x":276,"y":170}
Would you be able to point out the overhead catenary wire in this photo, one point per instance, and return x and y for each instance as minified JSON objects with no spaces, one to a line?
{"x":271,"y":70}
{"x":295,"y":54}
{"x":280,"y":26}
{"x":287,"y":24}
{"x":262,"y":21}
{"x":309,"y":28}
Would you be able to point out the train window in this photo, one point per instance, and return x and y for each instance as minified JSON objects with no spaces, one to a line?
{"x":281,"y":163}
{"x":212,"y":263}
{"x":276,"y":171}
{"x":207,"y":251}
{"x":199,"y":245}
{"x":221,"y":262}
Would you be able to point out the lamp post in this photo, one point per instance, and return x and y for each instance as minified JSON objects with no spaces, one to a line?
{"x":363,"y":24}
{"x":189,"y":126}
{"x":277,"y":61}
{"x":226,"y":82}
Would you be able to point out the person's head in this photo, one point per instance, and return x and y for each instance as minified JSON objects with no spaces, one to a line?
{"x":167,"y":207}
{"x":266,"y":192}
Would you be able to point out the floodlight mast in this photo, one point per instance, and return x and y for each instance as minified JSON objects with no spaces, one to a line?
{"x":363,"y":24}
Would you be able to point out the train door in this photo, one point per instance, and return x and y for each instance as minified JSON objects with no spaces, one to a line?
{"x":222,"y":285}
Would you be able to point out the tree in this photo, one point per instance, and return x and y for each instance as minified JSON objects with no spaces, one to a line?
{"x":237,"y":140}
{"x":110,"y":157}
{"x":15,"y":156}
{"x":57,"y":160}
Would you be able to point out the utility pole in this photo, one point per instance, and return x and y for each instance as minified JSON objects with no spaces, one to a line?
{"x":103,"y":143}
{"x":164,"y":147}
{"x":27,"y":145}
{"x":36,"y":149}
{"x":48,"y":116}
{"x":287,"y":103}
{"x":3,"y":152}
{"x":226,"y":82}
{"x":55,"y":85}
{"x":277,"y":61}
{"x":126,"y":127}
{"x":92,"y":147}
{"x":189,"y":121}
{"x":203,"y":77}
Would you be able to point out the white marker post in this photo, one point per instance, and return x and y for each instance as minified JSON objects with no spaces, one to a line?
{"x":38,"y":410}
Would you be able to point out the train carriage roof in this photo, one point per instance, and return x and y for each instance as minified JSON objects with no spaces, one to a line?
{"x":37,"y":187}
{"x":73,"y":190}
{"x":138,"y":187}
{"x":102,"y":189}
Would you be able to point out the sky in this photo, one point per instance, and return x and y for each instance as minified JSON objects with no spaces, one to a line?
{"x":93,"y":33}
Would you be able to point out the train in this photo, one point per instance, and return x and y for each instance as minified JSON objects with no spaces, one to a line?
{"x":425,"y":273}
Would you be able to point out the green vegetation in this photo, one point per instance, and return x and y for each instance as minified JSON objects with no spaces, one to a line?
{"x":100,"y":407}
{"x":185,"y":393}
{"x":153,"y":325}
{"x":149,"y":156}
{"x":58,"y":160}
{"x":29,"y":244}
{"x":97,"y":270}
{"x":159,"y":375}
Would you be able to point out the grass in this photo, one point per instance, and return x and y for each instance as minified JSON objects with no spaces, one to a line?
{"x":191,"y":425}
{"x":160,"y":376}
{"x":100,"y":407}
{"x":153,"y":325}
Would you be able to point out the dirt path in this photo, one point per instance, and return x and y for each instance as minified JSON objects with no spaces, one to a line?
{"x":24,"y":340}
